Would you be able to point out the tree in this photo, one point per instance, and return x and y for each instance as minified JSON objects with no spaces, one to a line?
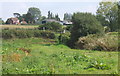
{"x":68,"y":16}
{"x":28,"y":18}
{"x":119,"y":15}
{"x":1,"y":21}
{"x":107,"y":14}
{"x":50,"y":15}
{"x":17,"y":15}
{"x":57,"y":17}
{"x":43,"y":17}
{"x":83,"y":25}
{"x":35,"y":12}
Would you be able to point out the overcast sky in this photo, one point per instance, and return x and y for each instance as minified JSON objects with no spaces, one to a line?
{"x":55,"y":6}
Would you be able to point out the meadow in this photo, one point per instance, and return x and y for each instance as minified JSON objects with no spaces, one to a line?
{"x":49,"y":57}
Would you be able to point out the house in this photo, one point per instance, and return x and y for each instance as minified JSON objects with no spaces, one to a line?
{"x":50,"y":20}
{"x":12,"y":21}
{"x":61,"y":22}
{"x":23,"y":22}
{"x":67,"y":23}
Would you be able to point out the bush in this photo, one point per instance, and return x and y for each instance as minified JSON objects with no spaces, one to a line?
{"x":63,"y":38}
{"x":8,"y":34}
{"x":96,"y":42}
{"x":69,"y":27}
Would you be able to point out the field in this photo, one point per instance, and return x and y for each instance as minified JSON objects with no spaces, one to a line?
{"x":49,"y":57}
{"x":46,"y":56}
{"x":18,"y":26}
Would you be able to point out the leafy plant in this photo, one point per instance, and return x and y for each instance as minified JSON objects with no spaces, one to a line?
{"x":98,"y":65}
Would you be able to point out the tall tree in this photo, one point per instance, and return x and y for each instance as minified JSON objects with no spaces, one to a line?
{"x":1,"y":21}
{"x":43,"y":17}
{"x":35,"y":12}
{"x":57,"y":17}
{"x":119,"y":15}
{"x":29,"y":18}
{"x":17,"y":15}
{"x":68,"y":16}
{"x":50,"y":15}
{"x":107,"y":14}
{"x":83,"y":25}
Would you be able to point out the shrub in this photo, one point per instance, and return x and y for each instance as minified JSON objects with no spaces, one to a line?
{"x":69,"y":27}
{"x":63,"y":38}
{"x":96,"y":42}
{"x":48,"y":34}
{"x":6,"y":34}
{"x":13,"y":33}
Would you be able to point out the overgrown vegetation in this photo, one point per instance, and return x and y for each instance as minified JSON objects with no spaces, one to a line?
{"x":108,"y":42}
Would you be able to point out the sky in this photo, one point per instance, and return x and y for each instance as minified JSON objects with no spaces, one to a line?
{"x":55,"y":6}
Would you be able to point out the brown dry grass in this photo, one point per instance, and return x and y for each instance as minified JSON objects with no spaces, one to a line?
{"x":13,"y":57}
{"x":17,"y":26}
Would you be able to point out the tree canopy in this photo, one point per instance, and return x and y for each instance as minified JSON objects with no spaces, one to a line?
{"x":35,"y":12}
{"x":107,"y":14}
{"x":84,"y":24}
{"x":68,"y":16}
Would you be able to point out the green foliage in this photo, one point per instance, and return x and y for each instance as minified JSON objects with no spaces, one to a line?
{"x":26,"y":33}
{"x":109,"y":42}
{"x":106,"y":29}
{"x":53,"y":26}
{"x":68,"y":16}
{"x":1,"y":21}
{"x":107,"y":14}
{"x":17,"y":15}
{"x":29,"y":18}
{"x":63,"y":38}
{"x":83,"y":25}
{"x":98,"y":65}
{"x":69,"y":27}
{"x":35,"y":12}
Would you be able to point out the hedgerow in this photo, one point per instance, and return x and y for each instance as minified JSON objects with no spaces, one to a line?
{"x":25,"y":33}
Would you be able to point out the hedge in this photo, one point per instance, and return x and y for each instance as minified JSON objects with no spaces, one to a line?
{"x":25,"y":33}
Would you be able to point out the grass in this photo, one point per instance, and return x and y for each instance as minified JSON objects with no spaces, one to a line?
{"x":48,"y":57}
